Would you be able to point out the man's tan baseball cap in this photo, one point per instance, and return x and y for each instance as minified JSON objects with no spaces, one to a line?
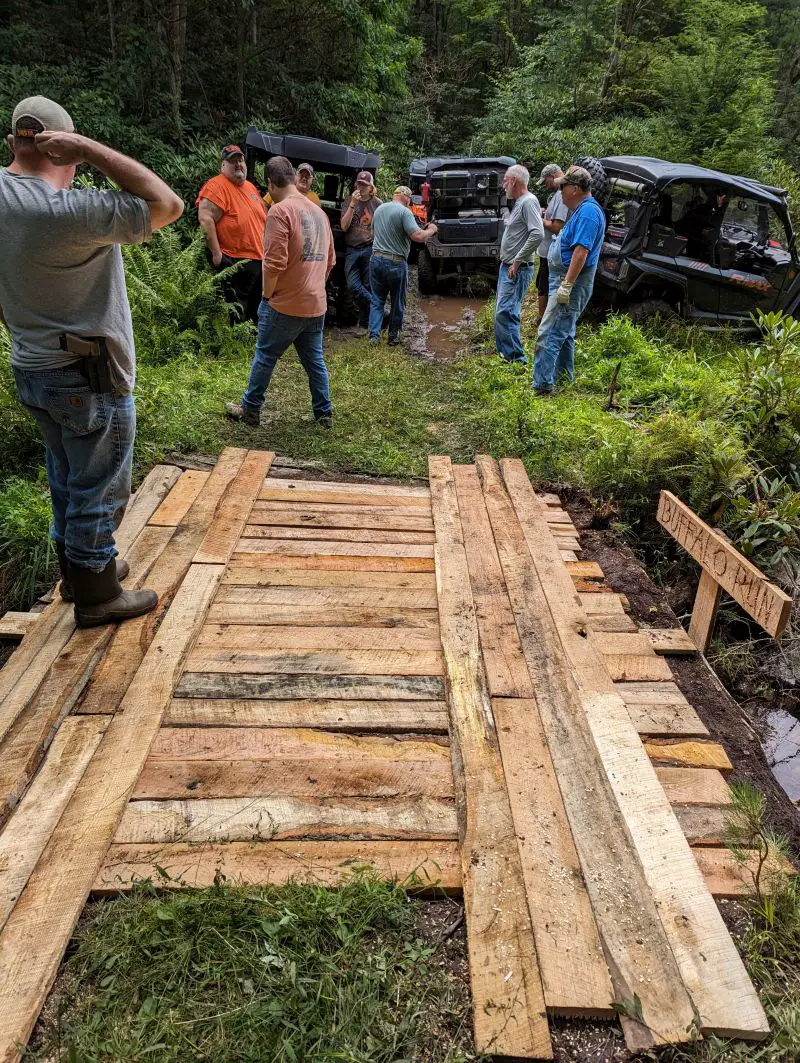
{"x":37,"y":114}
{"x":403,"y":190}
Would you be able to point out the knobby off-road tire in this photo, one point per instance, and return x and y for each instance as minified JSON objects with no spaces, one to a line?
{"x":601,"y":184}
{"x":426,"y":273}
{"x":649,"y":308}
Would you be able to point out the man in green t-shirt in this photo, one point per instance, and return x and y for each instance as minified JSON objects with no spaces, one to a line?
{"x":393,"y":227}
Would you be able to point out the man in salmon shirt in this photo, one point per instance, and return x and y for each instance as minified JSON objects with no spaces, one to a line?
{"x":232,"y":217}
{"x":298,"y":256}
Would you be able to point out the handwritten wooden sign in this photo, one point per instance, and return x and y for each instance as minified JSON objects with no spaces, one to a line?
{"x":765,"y":602}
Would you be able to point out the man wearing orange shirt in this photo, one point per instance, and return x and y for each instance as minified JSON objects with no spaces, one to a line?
{"x":232,"y":217}
{"x":298,"y":256}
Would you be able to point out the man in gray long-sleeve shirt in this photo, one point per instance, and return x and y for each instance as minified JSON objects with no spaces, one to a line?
{"x":523,"y":234}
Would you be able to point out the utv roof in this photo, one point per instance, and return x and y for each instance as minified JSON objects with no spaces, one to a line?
{"x":419,"y":167}
{"x":662,"y":173}
{"x":330,"y":158}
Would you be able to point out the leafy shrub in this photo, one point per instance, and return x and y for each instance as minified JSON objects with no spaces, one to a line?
{"x":26,"y":552}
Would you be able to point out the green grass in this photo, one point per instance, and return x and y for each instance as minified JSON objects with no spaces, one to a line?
{"x":263,"y":974}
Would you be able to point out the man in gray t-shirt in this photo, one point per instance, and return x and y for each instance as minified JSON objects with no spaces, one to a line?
{"x":63,"y":298}
{"x":553,"y":219}
{"x":522,"y":236}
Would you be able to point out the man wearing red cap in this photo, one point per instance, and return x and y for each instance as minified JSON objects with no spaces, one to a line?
{"x":232,"y":217}
{"x":357,"y":226}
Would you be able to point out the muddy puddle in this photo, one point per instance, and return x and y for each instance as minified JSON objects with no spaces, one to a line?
{"x":437,"y":326}
{"x":782,"y":748}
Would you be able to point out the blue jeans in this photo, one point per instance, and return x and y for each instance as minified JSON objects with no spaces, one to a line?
{"x":555,"y":342}
{"x":387,"y":276}
{"x":356,"y":270}
{"x":510,"y":294}
{"x":89,"y":441}
{"x":276,"y":333}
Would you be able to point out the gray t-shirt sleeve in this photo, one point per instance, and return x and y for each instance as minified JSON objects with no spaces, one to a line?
{"x":532,"y":216}
{"x":409,"y":222}
{"x":558,"y":210}
{"x":114,"y":217}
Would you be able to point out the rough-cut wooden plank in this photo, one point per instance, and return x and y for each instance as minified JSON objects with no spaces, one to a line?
{"x":324,"y":616}
{"x":704,"y":612}
{"x":24,"y":839}
{"x":550,"y":499}
{"x":39,"y":928}
{"x":415,"y":491}
{"x":765,"y":602}
{"x":703,"y":825}
{"x":568,"y":555}
{"x":131,"y":639}
{"x":508,"y":1001}
{"x":240,"y":575}
{"x":370,"y":687}
{"x":574,"y":974}
{"x":341,"y":535}
{"x":144,"y":503}
{"x":601,"y":604}
{"x":279,"y":514}
{"x":694,"y":786}
{"x":234,"y":509}
{"x":334,"y":562}
{"x":634,"y":668}
{"x":330,"y":662}
{"x":17,"y":625}
{"x":391,"y":716}
{"x":179,"y":501}
{"x":585,"y":570}
{"x":423,"y":865}
{"x":356,"y":776}
{"x":312,"y":548}
{"x":267,"y":636}
{"x":557,"y":516}
{"x":688,"y":754}
{"x":404,"y":599}
{"x":640,"y":960}
{"x":709,"y":963}
{"x":283,"y":818}
{"x":730,"y":879}
{"x":611,"y":622}
{"x":666,"y":720}
{"x":58,"y":693}
{"x":620,"y":643}
{"x":651,"y":694}
{"x":347,"y":494}
{"x":669,"y":641}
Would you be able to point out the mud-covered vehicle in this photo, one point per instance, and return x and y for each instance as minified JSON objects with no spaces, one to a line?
{"x":336,"y":167}
{"x":685,"y":240}
{"x":466,"y":200}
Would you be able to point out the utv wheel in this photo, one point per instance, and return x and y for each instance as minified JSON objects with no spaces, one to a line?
{"x":600,"y":180}
{"x":641,"y":312}
{"x":426,"y":273}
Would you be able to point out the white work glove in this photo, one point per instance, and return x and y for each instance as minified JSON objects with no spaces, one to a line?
{"x":563,"y":293}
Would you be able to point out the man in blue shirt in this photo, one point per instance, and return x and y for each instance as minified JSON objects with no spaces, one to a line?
{"x":393,"y":229}
{"x":572,"y":261}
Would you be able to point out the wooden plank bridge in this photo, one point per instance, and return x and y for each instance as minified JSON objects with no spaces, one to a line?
{"x":427,"y":680}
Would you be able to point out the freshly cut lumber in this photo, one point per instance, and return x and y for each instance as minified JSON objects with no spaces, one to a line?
{"x":568,"y":555}
{"x":120,"y":662}
{"x":66,"y":679}
{"x":234,"y":509}
{"x":601,"y":604}
{"x":585,"y":570}
{"x":17,"y":625}
{"x":325,"y":616}
{"x":637,"y":667}
{"x":294,"y":548}
{"x":341,"y":535}
{"x":509,"y":1016}
{"x":574,"y":974}
{"x":666,"y":720}
{"x":694,"y":786}
{"x":704,"y":611}
{"x":550,"y":499}
{"x":688,"y":754}
{"x":588,"y":586}
{"x":355,"y":579}
{"x":327,"y":562}
{"x":640,"y":960}
{"x":730,"y":879}
{"x":404,"y":599}
{"x":425,"y":717}
{"x":41,"y":923}
{"x":703,"y":825}
{"x":370,"y":687}
{"x":331,"y":662}
{"x":356,"y":776}
{"x":566,"y":542}
{"x":26,"y":835}
{"x":280,"y":514}
{"x":282,"y":818}
{"x":557,"y":516}
{"x":288,"y":637}
{"x":669,"y":641}
{"x":621,"y":643}
{"x":180,"y":498}
{"x":610,"y":622}
{"x":347,"y":494}
{"x":709,"y":963}
{"x":764,"y":601}
{"x":351,"y":487}
{"x":422,"y":865}
{"x":651,"y":693}
{"x":144,"y":503}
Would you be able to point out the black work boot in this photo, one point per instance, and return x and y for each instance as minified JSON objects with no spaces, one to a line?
{"x":99,"y":599}
{"x":123,"y":568}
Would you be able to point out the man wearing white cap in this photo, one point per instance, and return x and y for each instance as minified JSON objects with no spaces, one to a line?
{"x":63,"y":297}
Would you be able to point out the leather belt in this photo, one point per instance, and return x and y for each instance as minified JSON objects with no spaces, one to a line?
{"x":387,"y":254}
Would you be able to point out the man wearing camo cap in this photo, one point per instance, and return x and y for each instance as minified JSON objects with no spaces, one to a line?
{"x":63,"y":297}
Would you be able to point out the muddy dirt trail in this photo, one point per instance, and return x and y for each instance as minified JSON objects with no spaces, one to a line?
{"x":436,"y":325}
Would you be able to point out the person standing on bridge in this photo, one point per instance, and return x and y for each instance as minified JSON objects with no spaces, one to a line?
{"x":63,"y":298}
{"x":522,"y":235}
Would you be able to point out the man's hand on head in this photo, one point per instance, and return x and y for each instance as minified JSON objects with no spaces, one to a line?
{"x":63,"y":149}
